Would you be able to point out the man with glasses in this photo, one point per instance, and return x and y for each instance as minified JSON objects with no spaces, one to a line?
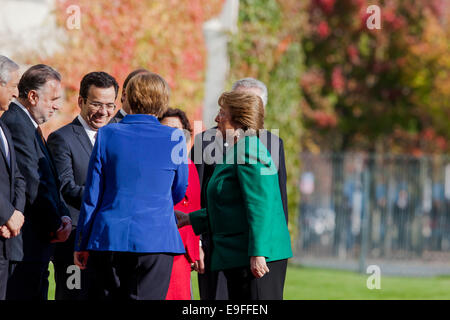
{"x":71,"y":147}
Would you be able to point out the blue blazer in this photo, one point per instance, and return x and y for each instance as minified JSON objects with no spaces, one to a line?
{"x":137,"y":171}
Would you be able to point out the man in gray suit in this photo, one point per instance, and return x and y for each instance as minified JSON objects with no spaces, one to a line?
{"x":71,"y":147}
{"x":12,"y":184}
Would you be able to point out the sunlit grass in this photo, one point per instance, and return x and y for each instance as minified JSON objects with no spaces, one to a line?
{"x":325,"y":284}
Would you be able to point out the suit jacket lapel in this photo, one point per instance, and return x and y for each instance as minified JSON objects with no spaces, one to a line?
{"x":47,"y":154}
{"x":28,"y":123}
{"x":10,"y":146}
{"x":82,"y":136}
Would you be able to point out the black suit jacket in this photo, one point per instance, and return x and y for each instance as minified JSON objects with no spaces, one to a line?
{"x":272,"y":142}
{"x":44,"y":206}
{"x":117,"y":117}
{"x":71,"y":148}
{"x":12,"y":190}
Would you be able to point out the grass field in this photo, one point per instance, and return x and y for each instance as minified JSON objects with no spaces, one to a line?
{"x":325,"y":284}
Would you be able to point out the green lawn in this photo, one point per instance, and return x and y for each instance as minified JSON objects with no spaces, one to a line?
{"x":325,"y":284}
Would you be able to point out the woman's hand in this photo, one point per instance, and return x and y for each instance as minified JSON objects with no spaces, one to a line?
{"x":80,"y":259}
{"x":199,"y":265}
{"x":183,"y":219}
{"x":258,"y":266}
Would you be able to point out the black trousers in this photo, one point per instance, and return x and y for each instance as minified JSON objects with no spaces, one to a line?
{"x":4,"y":267}
{"x":27,"y":281}
{"x":129,"y":276}
{"x":64,"y":273}
{"x":212,"y":285}
{"x":242,"y":284}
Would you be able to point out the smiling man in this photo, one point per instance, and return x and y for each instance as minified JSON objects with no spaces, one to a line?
{"x":71,"y":147}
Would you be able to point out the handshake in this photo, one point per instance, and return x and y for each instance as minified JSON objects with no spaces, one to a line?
{"x":12,"y":227}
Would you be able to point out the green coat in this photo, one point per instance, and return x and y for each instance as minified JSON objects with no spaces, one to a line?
{"x":244,"y":208}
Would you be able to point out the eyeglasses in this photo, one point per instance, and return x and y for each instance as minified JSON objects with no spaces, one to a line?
{"x":97,"y":105}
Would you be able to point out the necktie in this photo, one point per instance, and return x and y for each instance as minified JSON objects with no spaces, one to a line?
{"x":46,"y":151}
{"x":41,"y":135}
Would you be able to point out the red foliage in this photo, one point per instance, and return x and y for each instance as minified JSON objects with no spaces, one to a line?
{"x":326,"y":5}
{"x":323,"y":29}
{"x":338,"y":80}
{"x":324,"y":120}
{"x":117,"y":37}
{"x":367,"y":82}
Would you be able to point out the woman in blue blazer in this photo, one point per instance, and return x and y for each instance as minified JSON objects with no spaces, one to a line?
{"x":138,"y":170}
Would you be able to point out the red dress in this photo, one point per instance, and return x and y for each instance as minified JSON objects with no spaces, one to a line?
{"x":180,"y":280}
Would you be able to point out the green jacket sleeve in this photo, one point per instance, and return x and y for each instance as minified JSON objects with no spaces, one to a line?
{"x":257,"y":178}
{"x":199,"y":221}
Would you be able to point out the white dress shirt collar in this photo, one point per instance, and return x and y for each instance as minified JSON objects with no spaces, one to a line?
{"x":4,"y":141}
{"x":27,"y":112}
{"x":123,"y":113}
{"x":92,"y":134}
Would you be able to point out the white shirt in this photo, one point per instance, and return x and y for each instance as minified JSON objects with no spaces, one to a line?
{"x":5,"y":144}
{"x":92,"y":134}
{"x":123,"y":112}
{"x":27,"y":112}
{"x":34,"y":123}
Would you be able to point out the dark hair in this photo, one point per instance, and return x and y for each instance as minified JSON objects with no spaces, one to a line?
{"x":131,"y":75}
{"x":98,"y":79}
{"x":180,"y":114}
{"x":35,"y":78}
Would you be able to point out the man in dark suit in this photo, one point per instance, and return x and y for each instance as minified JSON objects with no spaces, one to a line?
{"x":125,"y":108}
{"x":12,"y":184}
{"x":71,"y":147}
{"x":212,"y":285}
{"x":47,"y":219}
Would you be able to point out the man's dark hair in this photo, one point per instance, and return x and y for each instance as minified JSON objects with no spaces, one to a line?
{"x":131,"y":75}
{"x":35,"y":78}
{"x":180,"y":114}
{"x":98,"y":79}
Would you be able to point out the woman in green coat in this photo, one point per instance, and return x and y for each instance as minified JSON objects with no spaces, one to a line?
{"x":244,"y":210}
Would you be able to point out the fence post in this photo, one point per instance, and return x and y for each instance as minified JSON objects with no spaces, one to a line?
{"x":365,"y":221}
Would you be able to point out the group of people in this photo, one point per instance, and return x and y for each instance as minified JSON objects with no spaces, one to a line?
{"x":116,"y":193}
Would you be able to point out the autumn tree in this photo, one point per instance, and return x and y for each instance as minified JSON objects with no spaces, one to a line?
{"x":375,"y":89}
{"x":165,"y":37}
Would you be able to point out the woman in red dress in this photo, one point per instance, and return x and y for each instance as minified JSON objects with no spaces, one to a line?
{"x":180,"y":281}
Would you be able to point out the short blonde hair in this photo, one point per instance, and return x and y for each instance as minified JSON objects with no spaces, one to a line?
{"x":246,"y":109}
{"x":148,"y":93}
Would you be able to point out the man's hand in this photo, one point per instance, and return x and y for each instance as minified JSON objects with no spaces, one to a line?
{"x":199,"y":265}
{"x":183,"y":219}
{"x":258,"y":266}
{"x":15,"y":223}
{"x":80,"y":259}
{"x":4,"y":232}
{"x":63,"y":233}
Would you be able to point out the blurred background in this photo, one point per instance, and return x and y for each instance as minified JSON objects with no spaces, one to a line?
{"x":363,"y":112}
